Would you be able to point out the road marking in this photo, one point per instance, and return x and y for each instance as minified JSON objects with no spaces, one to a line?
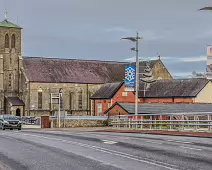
{"x":112,"y":152}
{"x":198,"y":149}
{"x":180,"y":141}
{"x":154,"y":142}
{"x":109,"y":142}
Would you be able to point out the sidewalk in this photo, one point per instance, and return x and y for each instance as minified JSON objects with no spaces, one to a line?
{"x":174,"y":133}
{"x":154,"y":132}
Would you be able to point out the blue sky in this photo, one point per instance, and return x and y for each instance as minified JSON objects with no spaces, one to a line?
{"x":83,"y":29}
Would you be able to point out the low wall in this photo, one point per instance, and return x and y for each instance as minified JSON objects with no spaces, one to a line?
{"x":79,"y":123}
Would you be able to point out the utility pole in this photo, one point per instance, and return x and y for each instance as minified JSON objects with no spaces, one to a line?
{"x":135,"y":39}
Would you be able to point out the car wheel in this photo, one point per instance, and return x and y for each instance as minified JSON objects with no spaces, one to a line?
{"x":3,"y":128}
{"x":19,"y":128}
{"x":11,"y":129}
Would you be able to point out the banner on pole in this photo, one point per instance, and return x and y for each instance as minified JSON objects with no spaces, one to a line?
{"x":130,"y":78}
{"x":209,"y":62}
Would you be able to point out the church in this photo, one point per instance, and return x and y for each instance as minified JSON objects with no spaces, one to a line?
{"x":26,"y":83}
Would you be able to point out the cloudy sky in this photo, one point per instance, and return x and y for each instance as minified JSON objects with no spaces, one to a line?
{"x":91,"y":29}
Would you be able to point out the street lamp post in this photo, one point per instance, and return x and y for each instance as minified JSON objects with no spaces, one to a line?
{"x":135,"y":39}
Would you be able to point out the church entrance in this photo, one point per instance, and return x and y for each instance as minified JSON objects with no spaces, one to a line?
{"x":18,"y":112}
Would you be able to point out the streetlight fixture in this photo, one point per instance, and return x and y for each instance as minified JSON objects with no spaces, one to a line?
{"x":135,"y":39}
{"x":206,"y":9}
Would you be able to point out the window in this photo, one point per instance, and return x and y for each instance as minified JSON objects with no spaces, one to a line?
{"x":7,"y":41}
{"x":99,"y":109}
{"x":61,"y":102}
{"x":124,"y":94}
{"x":71,"y":101}
{"x":40,"y":98}
{"x":80,"y":101}
{"x":13,"y":41}
{"x":10,"y":80}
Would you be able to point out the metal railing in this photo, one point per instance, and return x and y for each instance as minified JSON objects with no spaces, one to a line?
{"x":166,"y":121}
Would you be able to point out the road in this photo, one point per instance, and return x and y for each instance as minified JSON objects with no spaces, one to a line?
{"x":53,"y":150}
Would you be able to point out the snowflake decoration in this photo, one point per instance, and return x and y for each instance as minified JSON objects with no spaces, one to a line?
{"x":130,"y":74}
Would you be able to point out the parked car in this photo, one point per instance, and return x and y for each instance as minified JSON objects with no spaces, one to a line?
{"x":10,"y":122}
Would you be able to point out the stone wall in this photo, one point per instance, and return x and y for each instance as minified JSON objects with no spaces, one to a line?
{"x":71,"y":94}
{"x":79,"y":123}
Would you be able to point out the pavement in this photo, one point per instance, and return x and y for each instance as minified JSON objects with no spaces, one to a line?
{"x":203,"y":134}
{"x":90,"y":149}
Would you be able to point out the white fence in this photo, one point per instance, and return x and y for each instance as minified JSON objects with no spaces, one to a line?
{"x":169,"y":121}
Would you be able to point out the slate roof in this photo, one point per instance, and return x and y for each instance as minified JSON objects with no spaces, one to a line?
{"x":15,"y":101}
{"x":9,"y":24}
{"x":159,"y":108}
{"x":174,"y":88}
{"x":107,"y":91}
{"x":52,"y":70}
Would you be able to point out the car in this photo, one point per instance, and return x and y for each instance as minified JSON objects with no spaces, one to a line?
{"x":10,"y":122}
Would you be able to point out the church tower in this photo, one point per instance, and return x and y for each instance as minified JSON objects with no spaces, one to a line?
{"x":10,"y":61}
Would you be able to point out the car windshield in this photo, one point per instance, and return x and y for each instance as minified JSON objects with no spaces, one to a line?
{"x":10,"y":118}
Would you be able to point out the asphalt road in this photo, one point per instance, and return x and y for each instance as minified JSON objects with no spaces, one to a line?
{"x":51,"y":150}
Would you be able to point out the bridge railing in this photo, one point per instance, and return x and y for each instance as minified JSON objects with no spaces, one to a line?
{"x":166,"y":121}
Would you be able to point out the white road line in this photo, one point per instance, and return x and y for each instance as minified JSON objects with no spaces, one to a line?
{"x":154,"y":142}
{"x":198,"y":149}
{"x":180,"y":141}
{"x":112,"y":152}
{"x":109,"y":142}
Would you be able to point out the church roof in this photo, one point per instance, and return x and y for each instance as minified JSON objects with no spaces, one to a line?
{"x":52,"y":70}
{"x":8,"y":24}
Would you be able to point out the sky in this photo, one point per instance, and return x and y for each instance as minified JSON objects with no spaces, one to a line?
{"x":92,"y":29}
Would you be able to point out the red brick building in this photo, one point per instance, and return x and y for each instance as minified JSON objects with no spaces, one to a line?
{"x":111,"y":93}
{"x":185,"y":91}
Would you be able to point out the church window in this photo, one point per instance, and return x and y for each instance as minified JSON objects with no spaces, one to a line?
{"x":7,"y":41}
{"x":13,"y":41}
{"x":80,"y":101}
{"x":61,"y":102}
{"x":10,"y":80}
{"x":40,"y":96}
{"x":71,"y":100}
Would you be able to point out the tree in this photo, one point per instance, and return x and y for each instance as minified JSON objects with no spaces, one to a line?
{"x":147,"y":76}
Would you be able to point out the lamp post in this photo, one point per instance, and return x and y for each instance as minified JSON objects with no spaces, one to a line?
{"x":60,"y":95}
{"x":135,"y":39}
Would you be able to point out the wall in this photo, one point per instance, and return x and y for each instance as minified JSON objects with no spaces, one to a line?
{"x":167,"y":100}
{"x":116,"y":110}
{"x":205,"y":95}
{"x":160,"y":71}
{"x":80,"y":123}
{"x":30,"y":97}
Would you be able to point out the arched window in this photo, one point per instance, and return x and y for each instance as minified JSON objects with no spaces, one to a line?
{"x":7,"y":41}
{"x":10,"y":80}
{"x":13,"y":41}
{"x":40,"y":98}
